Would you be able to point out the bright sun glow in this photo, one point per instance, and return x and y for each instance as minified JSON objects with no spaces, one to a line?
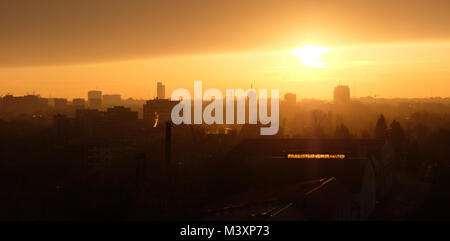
{"x":310,"y":55}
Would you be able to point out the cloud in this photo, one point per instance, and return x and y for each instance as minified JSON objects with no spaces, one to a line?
{"x":38,"y":32}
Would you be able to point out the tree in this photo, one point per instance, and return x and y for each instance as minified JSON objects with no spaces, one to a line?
{"x":342,"y":132}
{"x":317,"y":118}
{"x":413,"y":157}
{"x":440,"y":143}
{"x":381,"y":128}
{"x":397,"y":134}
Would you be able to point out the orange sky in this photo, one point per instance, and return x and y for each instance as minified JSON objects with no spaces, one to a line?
{"x":65,"y":48}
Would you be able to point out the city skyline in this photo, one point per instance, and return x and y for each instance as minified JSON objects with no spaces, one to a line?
{"x":240,"y":111}
{"x":114,"y":97}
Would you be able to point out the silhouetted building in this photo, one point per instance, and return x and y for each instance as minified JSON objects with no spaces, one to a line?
{"x":290,"y":99}
{"x":341,"y":94}
{"x":121,"y":114}
{"x":158,"y":109}
{"x":161,"y":90}
{"x":62,"y":127}
{"x":95,"y":99}
{"x":78,"y":103}
{"x":60,"y":104}
{"x":287,"y":107}
{"x":28,"y":104}
{"x":111,"y":100}
{"x":89,"y":114}
{"x":42,"y":103}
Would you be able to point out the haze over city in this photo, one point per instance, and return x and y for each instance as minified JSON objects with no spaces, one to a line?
{"x":196,"y":111}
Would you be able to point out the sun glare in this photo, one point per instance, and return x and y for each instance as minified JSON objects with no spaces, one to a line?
{"x":310,"y":55}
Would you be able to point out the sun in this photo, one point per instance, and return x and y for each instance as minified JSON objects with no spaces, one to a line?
{"x":310,"y":55}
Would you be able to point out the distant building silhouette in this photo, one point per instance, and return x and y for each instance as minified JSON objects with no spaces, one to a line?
{"x":341,"y":94}
{"x":89,"y":114}
{"x":29,"y":104}
{"x":161,"y":90}
{"x":121,"y":114}
{"x":112,"y":100}
{"x":60,"y":104}
{"x":159,"y":108}
{"x":95,"y":99}
{"x":42,"y":103}
{"x":79,"y":103}
{"x":290,"y":99}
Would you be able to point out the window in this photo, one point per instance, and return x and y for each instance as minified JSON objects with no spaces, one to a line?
{"x":316,"y":156}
